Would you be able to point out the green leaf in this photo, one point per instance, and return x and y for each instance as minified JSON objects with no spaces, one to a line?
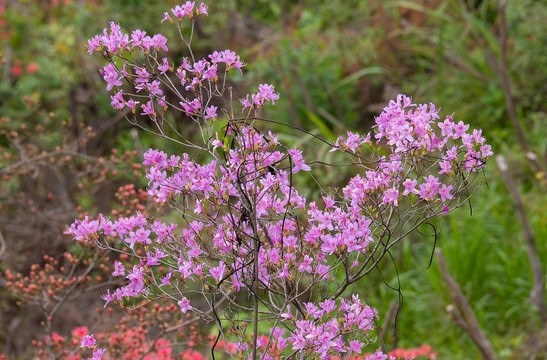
{"x":320,"y":124}
{"x":371,"y":70}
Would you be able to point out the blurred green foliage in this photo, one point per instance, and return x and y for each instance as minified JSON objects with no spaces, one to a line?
{"x":335,"y":67}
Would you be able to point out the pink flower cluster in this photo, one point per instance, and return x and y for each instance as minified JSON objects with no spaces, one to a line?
{"x":325,"y":330}
{"x":193,"y":75}
{"x":187,"y":9}
{"x":265,"y":93}
{"x":409,"y":131}
{"x":246,"y":228}
{"x":115,"y":41}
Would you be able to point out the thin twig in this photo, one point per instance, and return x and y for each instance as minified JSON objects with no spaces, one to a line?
{"x":537,"y":293}
{"x":463,"y":315}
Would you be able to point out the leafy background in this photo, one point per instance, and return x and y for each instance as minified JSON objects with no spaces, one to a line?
{"x":335,"y":66}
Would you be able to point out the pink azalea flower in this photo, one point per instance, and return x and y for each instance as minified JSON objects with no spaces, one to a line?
{"x":217,"y":272}
{"x":241,"y":346}
{"x":245,"y":102}
{"x":355,"y":346}
{"x":119,"y":269}
{"x":305,"y":265}
{"x":178,"y":12}
{"x":477,"y":136}
{"x":164,"y":67}
{"x":452,"y":153}
{"x":460,"y":129}
{"x":188,"y":7}
{"x":155,"y":158}
{"x":277,"y":332}
{"x":378,"y":355}
{"x":229,"y":57}
{"x":430,"y":188}
{"x":154,"y":89}
{"x":184,"y":10}
{"x":447,"y":126}
{"x":193,"y":84}
{"x":142,"y":75}
{"x":353,"y":141}
{"x":93,"y":44}
{"x":391,"y":196}
{"x":88,"y":341}
{"x":328,"y":305}
{"x":137,"y":37}
{"x":232,"y":60}
{"x":131,"y":104}
{"x":110,"y":75}
{"x":166,"y":16}
{"x":299,"y":164}
{"x":266,"y":92}
{"x":287,"y":315}
{"x":446,"y":167}
{"x":184,"y":304}
{"x":158,"y":41}
{"x":211,"y":112}
{"x":117,"y":100}
{"x":98,"y":354}
{"x":192,"y":106}
{"x":313,"y":311}
{"x":148,"y":109}
{"x":203,"y":9}
{"x":107,"y":297}
{"x":210,"y":73}
{"x":215,"y":57}
{"x":166,"y":280}
{"x":444,"y":192}
{"x":486,"y":150}
{"x":199,"y":66}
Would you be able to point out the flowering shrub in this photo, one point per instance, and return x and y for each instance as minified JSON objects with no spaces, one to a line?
{"x":131,"y":340}
{"x":147,"y":333}
{"x":271,"y":267}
